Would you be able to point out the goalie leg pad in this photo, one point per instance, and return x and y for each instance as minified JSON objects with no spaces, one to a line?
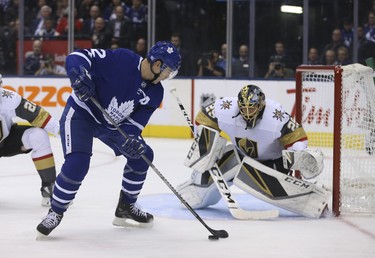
{"x":281,"y":190}
{"x":200,"y":190}
{"x":207,"y":148}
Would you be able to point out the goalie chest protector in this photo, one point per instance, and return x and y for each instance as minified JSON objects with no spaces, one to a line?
{"x":262,"y":141}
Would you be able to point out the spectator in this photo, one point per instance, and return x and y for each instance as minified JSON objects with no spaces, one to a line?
{"x":207,"y":65}
{"x":109,"y":12}
{"x":48,"y":31}
{"x":369,"y":27}
{"x":8,"y":39}
{"x":278,"y":69}
{"x":48,"y":67}
{"x":186,"y":65}
{"x":330,"y":57}
{"x":223,"y":57}
{"x":366,"y":48}
{"x":34,"y":58}
{"x":120,"y":28}
{"x":100,"y":36}
{"x":11,"y":13}
{"x":313,"y":57}
{"x":241,"y":66}
{"x":84,"y":8}
{"x":281,"y":55}
{"x":343,"y":57}
{"x":38,"y":23}
{"x":347,"y":33}
{"x":88,"y":23}
{"x":62,"y":26}
{"x":137,"y":14}
{"x":141,"y":47}
{"x":336,"y":42}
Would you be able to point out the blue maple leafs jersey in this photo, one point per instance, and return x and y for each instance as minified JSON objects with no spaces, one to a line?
{"x":119,"y":87}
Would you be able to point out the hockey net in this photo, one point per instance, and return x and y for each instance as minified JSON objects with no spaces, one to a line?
{"x":336,"y":107}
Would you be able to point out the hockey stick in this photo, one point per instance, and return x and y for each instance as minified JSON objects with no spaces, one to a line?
{"x":215,"y":233}
{"x":222,"y":184}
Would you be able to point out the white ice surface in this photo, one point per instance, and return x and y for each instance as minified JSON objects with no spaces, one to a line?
{"x":87,"y":231}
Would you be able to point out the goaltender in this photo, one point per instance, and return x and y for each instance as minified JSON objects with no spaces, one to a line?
{"x":268,"y":147}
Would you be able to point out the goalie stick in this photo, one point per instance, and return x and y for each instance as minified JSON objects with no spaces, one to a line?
{"x":215,"y":233}
{"x":222,"y":184}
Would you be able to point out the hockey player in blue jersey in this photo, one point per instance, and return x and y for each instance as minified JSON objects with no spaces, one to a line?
{"x":128,"y":87}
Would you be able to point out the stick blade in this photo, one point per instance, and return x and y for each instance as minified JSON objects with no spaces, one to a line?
{"x":254,"y":215}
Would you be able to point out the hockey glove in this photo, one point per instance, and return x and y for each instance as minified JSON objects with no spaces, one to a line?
{"x":132,"y":148}
{"x":82,"y":84}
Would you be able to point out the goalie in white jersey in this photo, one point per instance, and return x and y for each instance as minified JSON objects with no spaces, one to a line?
{"x":259,"y":129}
{"x":18,"y":139}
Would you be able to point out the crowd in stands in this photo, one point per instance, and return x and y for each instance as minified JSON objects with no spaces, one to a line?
{"x":123,"y":24}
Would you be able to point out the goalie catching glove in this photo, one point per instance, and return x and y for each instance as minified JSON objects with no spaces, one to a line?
{"x":309,"y":162}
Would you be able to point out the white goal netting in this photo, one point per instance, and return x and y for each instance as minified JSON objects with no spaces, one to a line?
{"x":355,"y":124}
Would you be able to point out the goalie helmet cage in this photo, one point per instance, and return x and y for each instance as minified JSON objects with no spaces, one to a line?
{"x":336,"y":105}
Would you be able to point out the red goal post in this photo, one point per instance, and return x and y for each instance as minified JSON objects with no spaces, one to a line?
{"x":336,"y":107}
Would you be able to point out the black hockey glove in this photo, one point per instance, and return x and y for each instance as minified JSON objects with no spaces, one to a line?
{"x":82,"y":84}
{"x":132,"y":148}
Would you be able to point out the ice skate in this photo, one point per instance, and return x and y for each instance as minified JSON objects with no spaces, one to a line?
{"x":131,"y":215}
{"x":49,"y":223}
{"x":46,"y":195}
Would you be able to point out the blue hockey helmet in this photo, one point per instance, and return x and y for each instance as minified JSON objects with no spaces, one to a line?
{"x":251,"y":102}
{"x":167,"y":53}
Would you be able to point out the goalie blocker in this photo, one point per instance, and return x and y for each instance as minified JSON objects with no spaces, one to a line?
{"x":282,"y":190}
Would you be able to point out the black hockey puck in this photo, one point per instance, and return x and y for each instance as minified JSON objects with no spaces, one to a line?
{"x":212,"y":237}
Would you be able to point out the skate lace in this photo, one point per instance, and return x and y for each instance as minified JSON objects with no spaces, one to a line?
{"x":51,"y":220}
{"x":136,"y":210}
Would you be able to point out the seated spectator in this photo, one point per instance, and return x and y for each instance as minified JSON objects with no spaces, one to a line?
{"x":347,"y":33}
{"x":34,"y":58}
{"x":141,"y":47}
{"x":334,"y":44}
{"x":109,"y":12}
{"x":366,"y":48}
{"x":223,"y":57}
{"x":62,"y":26}
{"x":277,"y":69}
{"x":207,"y":65}
{"x":48,"y":31}
{"x":241,"y":66}
{"x":330,"y":57}
{"x":100,"y":36}
{"x":48,"y":67}
{"x":38,"y":23}
{"x":88,"y":23}
{"x":186,"y":65}
{"x":137,"y":13}
{"x":369,"y":27}
{"x":120,"y":28}
{"x":313,"y":57}
{"x":281,"y":55}
{"x":343,"y":57}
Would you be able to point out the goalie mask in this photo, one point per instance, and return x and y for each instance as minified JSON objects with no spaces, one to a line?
{"x":251,"y":102}
{"x":169,"y":56}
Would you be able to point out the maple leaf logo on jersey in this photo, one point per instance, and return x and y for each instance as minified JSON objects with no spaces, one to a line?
{"x":226,"y":104}
{"x":278,"y":115}
{"x":119,"y":112}
{"x":170,"y":50}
